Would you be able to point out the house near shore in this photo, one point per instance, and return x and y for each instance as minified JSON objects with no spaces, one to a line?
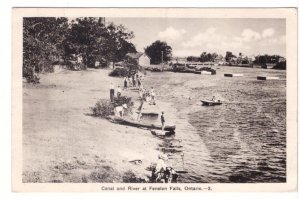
{"x":281,"y":59}
{"x":141,"y":58}
{"x":219,"y":60}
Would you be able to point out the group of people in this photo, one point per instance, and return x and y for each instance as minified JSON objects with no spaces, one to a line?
{"x":133,"y":81}
{"x":136,"y":81}
{"x":161,"y":173}
{"x":148,"y":96}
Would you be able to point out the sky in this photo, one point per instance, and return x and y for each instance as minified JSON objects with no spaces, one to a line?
{"x":191,"y":37}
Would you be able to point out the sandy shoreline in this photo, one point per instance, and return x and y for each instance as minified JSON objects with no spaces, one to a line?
{"x":63,"y":143}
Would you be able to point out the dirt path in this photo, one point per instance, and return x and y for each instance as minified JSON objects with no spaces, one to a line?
{"x":62,"y":143}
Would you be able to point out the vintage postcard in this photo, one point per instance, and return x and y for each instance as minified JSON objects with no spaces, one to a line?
{"x":154,"y":99}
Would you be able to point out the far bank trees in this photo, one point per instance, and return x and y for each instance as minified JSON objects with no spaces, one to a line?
{"x":204,"y":57}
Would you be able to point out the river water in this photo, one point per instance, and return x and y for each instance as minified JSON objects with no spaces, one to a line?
{"x":242,"y":140}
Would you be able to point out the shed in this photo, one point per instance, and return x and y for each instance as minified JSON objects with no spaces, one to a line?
{"x":141,"y":58}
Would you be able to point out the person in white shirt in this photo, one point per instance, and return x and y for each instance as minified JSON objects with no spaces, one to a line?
{"x":152,"y":94}
{"x":119,"y":90}
{"x":129,"y":81}
{"x":160,"y":166}
{"x":119,"y":110}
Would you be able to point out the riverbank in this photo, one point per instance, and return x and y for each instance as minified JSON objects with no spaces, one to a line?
{"x":243,"y":140}
{"x":63,"y":143}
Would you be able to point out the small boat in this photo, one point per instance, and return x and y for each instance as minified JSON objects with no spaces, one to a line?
{"x":150,"y":113}
{"x":210,"y":102}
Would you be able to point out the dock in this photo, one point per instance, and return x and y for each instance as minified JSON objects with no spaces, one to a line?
{"x":264,"y":78}
{"x":127,"y":122}
{"x":233,"y":75}
{"x":205,"y":73}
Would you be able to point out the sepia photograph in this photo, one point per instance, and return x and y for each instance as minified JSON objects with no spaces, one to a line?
{"x":156,"y":100}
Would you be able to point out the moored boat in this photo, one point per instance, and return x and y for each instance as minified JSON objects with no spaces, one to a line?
{"x":140,"y":124}
{"x":211,"y":102}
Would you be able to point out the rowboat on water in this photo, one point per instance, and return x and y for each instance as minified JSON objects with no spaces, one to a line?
{"x":140,"y":124}
{"x":211,"y":102}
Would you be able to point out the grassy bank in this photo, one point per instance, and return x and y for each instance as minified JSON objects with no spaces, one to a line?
{"x":62,"y":142}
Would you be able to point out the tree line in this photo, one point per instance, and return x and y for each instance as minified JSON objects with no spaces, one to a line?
{"x":204,"y":57}
{"x":232,"y":59}
{"x":48,"y":40}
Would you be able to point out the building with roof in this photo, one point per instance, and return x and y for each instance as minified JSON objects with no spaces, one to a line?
{"x":141,"y":58}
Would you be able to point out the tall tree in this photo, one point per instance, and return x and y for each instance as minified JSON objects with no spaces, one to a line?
{"x":42,"y":38}
{"x":214,"y":56}
{"x":229,"y":56}
{"x":90,"y":38}
{"x":159,"y":51}
{"x":86,"y":37}
{"x":117,"y":43}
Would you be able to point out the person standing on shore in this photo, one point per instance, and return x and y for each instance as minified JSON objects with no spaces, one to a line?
{"x":153,"y":98}
{"x":125,"y":83}
{"x":111,"y":92}
{"x":152,"y":94}
{"x":136,"y":76}
{"x":141,"y":93}
{"x":162,"y":118}
{"x":160,"y":168}
{"x":139,"y":82}
{"x":133,"y":80}
{"x":129,"y":81}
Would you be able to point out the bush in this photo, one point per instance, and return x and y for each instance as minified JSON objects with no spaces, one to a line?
{"x":178,"y":67}
{"x":280,"y":65}
{"x":119,"y":72}
{"x":33,"y":79}
{"x":155,"y":69}
{"x":105,"y":108}
{"x":130,"y":177}
{"x":31,"y":76}
{"x":103,"y":174}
